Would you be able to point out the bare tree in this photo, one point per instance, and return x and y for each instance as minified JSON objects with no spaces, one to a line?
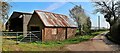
{"x":110,"y":9}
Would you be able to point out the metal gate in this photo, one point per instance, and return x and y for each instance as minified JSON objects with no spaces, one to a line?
{"x":18,"y":37}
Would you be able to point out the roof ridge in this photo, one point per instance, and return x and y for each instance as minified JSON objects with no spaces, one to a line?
{"x":50,"y":12}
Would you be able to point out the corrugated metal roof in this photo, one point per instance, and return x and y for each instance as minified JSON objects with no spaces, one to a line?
{"x":56,"y":20}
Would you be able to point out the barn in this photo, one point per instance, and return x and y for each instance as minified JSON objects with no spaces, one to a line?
{"x":18,"y":22}
{"x":52,"y":26}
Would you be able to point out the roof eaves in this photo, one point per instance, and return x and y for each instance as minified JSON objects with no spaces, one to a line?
{"x":23,"y":12}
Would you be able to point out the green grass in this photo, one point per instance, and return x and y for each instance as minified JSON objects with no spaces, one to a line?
{"x":46,"y":46}
{"x":74,"y":40}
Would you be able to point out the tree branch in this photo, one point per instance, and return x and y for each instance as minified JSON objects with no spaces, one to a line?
{"x":107,"y":7}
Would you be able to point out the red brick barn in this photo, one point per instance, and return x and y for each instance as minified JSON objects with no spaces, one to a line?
{"x":52,"y":26}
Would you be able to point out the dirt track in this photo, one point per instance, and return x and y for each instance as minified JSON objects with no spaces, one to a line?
{"x":98,"y":43}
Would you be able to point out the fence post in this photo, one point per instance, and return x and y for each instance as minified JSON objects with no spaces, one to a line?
{"x":30,"y":36}
{"x":17,"y":38}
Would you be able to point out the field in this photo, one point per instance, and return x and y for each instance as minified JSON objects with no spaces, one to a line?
{"x":10,"y":45}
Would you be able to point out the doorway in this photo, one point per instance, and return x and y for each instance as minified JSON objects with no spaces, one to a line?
{"x":36,"y":30}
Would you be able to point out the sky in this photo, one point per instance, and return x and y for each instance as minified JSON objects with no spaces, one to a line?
{"x":58,"y":7}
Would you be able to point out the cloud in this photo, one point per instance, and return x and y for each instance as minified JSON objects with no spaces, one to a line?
{"x":104,"y":23}
{"x":55,"y":6}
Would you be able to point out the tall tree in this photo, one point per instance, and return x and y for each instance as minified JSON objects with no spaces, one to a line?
{"x":4,"y":9}
{"x":83,"y":21}
{"x":111,"y":11}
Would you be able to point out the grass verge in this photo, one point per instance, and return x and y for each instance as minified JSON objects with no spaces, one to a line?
{"x":73,"y":40}
{"x":46,"y":46}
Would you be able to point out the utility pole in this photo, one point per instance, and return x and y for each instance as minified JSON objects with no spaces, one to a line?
{"x":98,"y":22}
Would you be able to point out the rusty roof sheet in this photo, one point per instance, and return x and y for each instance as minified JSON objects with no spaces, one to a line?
{"x":56,"y":20}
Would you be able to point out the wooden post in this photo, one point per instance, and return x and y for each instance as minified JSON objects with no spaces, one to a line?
{"x":30,"y":36}
{"x":24,"y":25}
{"x":17,"y":38}
{"x":65,"y":33}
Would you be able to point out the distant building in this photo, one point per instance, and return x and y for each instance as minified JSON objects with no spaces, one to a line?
{"x":52,"y":26}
